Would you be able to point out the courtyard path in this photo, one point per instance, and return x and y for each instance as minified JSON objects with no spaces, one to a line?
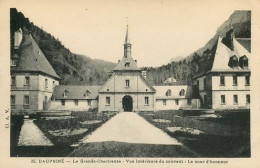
{"x":31,"y":135}
{"x":131,"y":128}
{"x":130,"y":135}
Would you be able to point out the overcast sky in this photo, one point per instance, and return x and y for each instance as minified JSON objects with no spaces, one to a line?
{"x":159,"y":30}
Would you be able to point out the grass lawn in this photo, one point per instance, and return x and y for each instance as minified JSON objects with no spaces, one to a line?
{"x":69,"y":131}
{"x":228,"y":135}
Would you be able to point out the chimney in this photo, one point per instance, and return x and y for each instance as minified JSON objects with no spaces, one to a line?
{"x":18,"y":37}
{"x":144,"y":74}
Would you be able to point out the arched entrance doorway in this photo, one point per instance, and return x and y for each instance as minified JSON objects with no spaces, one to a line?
{"x":127,"y":103}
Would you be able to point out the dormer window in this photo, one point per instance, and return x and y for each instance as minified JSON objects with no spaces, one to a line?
{"x":233,"y":62}
{"x":127,"y":64}
{"x":87,"y":93}
{"x":65,"y":93}
{"x":243,"y":62}
{"x":169,"y":92}
{"x":182,"y":92}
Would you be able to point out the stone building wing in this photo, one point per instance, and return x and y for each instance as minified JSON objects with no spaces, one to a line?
{"x":189,"y":92}
{"x":75,"y":92}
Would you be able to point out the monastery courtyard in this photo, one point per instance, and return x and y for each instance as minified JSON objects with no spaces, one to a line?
{"x":128,"y":134}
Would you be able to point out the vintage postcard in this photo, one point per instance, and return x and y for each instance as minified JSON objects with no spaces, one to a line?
{"x":161,"y":83}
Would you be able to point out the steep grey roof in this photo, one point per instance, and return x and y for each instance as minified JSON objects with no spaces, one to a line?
{"x":223,"y":54}
{"x":132,"y":65}
{"x":32,"y":59}
{"x":75,"y":92}
{"x":220,"y":55}
{"x":190,"y":92}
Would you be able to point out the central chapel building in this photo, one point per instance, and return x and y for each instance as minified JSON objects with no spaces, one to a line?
{"x":127,"y":88}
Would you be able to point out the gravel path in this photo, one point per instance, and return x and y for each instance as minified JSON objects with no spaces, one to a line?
{"x":31,"y":135}
{"x":131,"y":128}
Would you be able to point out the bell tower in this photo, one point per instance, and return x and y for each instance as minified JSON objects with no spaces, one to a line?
{"x":127,"y":45}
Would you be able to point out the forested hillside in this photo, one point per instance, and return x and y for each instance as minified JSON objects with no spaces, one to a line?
{"x":184,"y":69}
{"x":72,"y":68}
{"x":79,"y":69}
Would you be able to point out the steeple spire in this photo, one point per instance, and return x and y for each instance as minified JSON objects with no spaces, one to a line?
{"x":126,"y":36}
{"x":127,"y":45}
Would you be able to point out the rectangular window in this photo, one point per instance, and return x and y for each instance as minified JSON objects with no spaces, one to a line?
{"x":164,"y":102}
{"x":223,"y":99}
{"x":46,"y":83}
{"x":248,"y":99}
{"x":222,"y":80}
{"x":146,"y":100}
{"x":26,"y":102}
{"x":12,"y":102}
{"x":63,"y":102}
{"x":235,"y":99}
{"x":27,"y":80}
{"x":76,"y":102}
{"x":13,"y":80}
{"x":247,"y":80}
{"x":127,"y":83}
{"x":235,"y":80}
{"x":53,"y":84}
{"x":198,"y":83}
{"x":177,"y":102}
{"x":45,"y":98}
{"x":12,"y":99}
{"x":204,"y":83}
{"x":89,"y":102}
{"x":189,"y":101}
{"x":108,"y":100}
